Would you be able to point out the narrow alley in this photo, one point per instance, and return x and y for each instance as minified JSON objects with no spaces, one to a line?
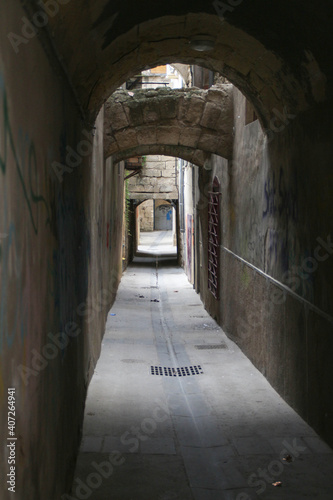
{"x":176,"y":411}
{"x":166,"y":250}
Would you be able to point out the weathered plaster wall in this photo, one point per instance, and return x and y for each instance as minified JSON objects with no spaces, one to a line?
{"x":276,"y":255}
{"x":105,"y":185}
{"x":58,"y":233}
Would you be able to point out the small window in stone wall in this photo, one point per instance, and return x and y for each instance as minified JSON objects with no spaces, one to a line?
{"x":250,"y":114}
{"x":214,"y":239}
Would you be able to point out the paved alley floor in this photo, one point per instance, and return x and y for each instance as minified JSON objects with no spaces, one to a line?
{"x":157,"y":243}
{"x":176,"y":411}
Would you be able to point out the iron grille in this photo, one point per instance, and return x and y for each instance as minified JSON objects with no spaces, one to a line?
{"x":214,"y":240}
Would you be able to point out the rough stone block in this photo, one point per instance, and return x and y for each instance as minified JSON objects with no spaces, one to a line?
{"x":156,"y":165}
{"x":210,"y":115}
{"x":110,"y":145}
{"x":190,"y":136}
{"x":168,"y":174}
{"x":225,"y":146}
{"x":191,"y":110}
{"x":150,"y":93}
{"x":166,"y":188}
{"x":116,"y":116}
{"x":143,"y":189}
{"x":146,"y":135}
{"x":168,"y":107}
{"x":220,"y":93}
{"x":119,"y":96}
{"x":143,"y":181}
{"x":225,"y":123}
{"x":152,"y":172}
{"x":153,"y":158}
{"x":208,"y":142}
{"x":151,"y":111}
{"x":134,"y":113}
{"x":126,"y":138}
{"x":199,"y":157}
{"x":168,"y":135}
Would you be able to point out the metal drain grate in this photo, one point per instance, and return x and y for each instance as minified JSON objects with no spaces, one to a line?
{"x":183,"y":371}
{"x":211,"y":346}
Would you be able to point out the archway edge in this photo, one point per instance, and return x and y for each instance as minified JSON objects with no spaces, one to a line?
{"x":261,"y":75}
{"x":196,"y":157}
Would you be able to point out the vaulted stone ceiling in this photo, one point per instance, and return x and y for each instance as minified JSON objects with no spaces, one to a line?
{"x":276,"y":52}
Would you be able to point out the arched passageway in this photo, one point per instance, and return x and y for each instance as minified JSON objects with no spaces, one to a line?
{"x":154,"y":222}
{"x":251,"y":47}
{"x":60,"y":246}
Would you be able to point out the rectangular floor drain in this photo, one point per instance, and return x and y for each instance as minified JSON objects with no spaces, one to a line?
{"x":211,"y":346}
{"x":183,"y":371}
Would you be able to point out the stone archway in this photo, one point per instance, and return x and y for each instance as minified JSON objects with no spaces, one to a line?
{"x":251,"y":46}
{"x":185,"y":123}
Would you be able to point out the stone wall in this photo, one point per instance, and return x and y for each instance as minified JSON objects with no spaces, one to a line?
{"x":276,"y":256}
{"x":61,"y":213}
{"x":59,"y":249}
{"x":146,"y":215}
{"x":184,"y":123}
{"x":156,"y":180}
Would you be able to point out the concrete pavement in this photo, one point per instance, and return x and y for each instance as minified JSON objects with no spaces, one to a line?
{"x":219,"y":433}
{"x":157,"y":243}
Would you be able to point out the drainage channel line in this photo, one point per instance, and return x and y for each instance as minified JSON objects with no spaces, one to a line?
{"x":156,"y":274}
{"x":165,"y":329}
{"x":206,"y":462}
{"x":174,"y":361}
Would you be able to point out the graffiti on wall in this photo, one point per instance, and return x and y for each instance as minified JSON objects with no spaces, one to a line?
{"x":19,"y":170}
{"x":163,"y":218}
{"x":23,"y":155}
{"x":280,"y":199}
